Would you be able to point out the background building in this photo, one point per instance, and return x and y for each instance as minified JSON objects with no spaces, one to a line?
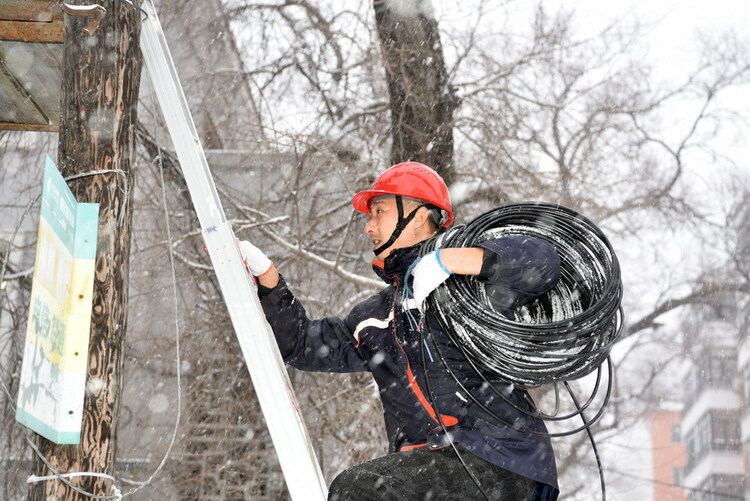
{"x":705,"y":446}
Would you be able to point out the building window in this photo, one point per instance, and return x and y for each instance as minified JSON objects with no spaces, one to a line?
{"x":715,"y":431}
{"x":676,"y":434}
{"x":725,"y":431}
{"x":714,"y":368}
{"x":727,"y":487}
{"x":693,"y":385}
{"x":700,"y":438}
{"x":719,"y":488}
{"x":722,"y":368}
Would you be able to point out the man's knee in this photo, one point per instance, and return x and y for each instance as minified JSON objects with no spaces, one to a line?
{"x":358,"y":483}
{"x":340,"y":485}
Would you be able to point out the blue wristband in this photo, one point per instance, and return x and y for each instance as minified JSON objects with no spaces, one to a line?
{"x":437,"y":256}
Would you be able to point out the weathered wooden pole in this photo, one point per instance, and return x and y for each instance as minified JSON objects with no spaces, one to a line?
{"x":100,"y":83}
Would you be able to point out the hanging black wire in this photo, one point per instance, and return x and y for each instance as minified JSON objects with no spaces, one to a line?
{"x":563,"y":335}
{"x":580,"y":411}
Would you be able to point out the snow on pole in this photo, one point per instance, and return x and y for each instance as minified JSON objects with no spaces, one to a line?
{"x":272,"y":385}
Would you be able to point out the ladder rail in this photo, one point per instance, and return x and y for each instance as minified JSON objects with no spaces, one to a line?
{"x":278,"y":402}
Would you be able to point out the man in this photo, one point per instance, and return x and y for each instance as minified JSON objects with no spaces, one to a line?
{"x":491,"y":451}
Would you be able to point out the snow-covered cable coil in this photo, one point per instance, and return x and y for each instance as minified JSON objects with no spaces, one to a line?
{"x":563,"y":335}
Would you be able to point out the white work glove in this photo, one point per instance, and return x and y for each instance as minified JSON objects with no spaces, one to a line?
{"x":255,"y":261}
{"x":428,"y":274}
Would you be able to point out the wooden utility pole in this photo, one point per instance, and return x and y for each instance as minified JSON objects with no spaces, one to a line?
{"x":421,"y":99}
{"x":100,"y":83}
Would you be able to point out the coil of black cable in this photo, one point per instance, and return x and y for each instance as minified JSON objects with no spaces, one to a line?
{"x":563,"y":335}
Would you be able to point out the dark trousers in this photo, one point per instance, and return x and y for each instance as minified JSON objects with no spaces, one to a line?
{"x":423,"y":474}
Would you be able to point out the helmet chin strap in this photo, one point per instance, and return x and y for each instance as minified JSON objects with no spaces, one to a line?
{"x":400,"y":225}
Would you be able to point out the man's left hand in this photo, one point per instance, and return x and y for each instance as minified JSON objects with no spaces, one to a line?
{"x":428,"y":273}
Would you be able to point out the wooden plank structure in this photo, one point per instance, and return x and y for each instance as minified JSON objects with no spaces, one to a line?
{"x":31,"y":36}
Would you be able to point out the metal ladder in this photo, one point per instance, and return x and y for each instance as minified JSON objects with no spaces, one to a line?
{"x":272,"y":385}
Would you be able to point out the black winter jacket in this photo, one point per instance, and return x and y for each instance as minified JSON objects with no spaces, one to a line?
{"x":376,"y":337}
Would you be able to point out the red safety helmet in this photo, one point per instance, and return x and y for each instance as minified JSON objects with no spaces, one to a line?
{"x":411,"y":180}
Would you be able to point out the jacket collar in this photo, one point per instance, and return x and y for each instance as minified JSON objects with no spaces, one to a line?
{"x":395,"y":265}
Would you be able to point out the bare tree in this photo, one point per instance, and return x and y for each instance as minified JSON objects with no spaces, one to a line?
{"x":422,"y":99}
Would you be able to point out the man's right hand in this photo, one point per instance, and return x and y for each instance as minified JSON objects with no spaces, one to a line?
{"x":255,"y":261}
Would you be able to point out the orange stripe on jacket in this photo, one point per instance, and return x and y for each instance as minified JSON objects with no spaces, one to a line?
{"x":447,"y":420}
{"x":410,"y":447}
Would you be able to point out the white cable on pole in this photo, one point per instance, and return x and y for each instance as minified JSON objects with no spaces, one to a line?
{"x":270,"y":380}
